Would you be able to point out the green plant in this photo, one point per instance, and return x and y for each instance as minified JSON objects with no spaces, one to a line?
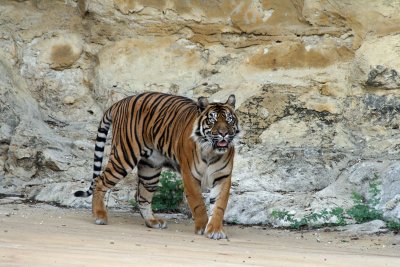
{"x":393,"y":225}
{"x":284,"y":215}
{"x":339,"y":213}
{"x":365,"y":210}
{"x":313,"y":220}
{"x":374,"y":191}
{"x":133,"y":203}
{"x":169,"y":194}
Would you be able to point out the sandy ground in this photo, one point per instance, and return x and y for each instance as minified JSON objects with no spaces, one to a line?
{"x":44,"y":235}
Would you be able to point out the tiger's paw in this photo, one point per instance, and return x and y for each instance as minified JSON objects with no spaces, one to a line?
{"x":156,"y":223}
{"x":215,"y":232}
{"x":101,"y":218}
{"x":100,"y":221}
{"x":200,"y":225}
{"x":199,"y":231}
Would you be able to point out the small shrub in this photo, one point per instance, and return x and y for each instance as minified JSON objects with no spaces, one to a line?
{"x":363,"y":213}
{"x":374,"y":191}
{"x":365,"y":210}
{"x":313,"y":220}
{"x":169,"y":194}
{"x":394,"y":225}
{"x":133,"y":203}
{"x":339,"y":213}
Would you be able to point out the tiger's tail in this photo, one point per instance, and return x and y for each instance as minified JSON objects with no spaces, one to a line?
{"x":98,"y":152}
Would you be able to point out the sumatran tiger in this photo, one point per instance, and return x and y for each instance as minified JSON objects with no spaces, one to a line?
{"x":155,"y":130}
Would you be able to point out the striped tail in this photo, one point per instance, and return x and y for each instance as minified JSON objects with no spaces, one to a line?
{"x":98,"y":152}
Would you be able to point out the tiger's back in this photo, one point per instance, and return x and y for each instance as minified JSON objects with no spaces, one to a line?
{"x":153,"y":122}
{"x":155,"y":130}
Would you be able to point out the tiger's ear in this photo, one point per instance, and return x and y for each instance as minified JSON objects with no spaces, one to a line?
{"x":202,"y":103}
{"x":231,"y":101}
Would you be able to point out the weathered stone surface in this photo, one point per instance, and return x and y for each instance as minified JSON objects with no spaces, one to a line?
{"x":355,"y":15}
{"x":134,"y":65}
{"x":316,"y":83}
{"x":369,"y":228}
{"x":377,"y":63}
{"x":304,"y":54}
{"x":62,"y":51}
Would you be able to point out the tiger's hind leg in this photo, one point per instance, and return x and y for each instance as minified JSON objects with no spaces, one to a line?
{"x":113,"y":172}
{"x":147,"y":185}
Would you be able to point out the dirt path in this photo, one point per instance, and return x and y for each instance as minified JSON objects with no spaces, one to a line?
{"x":43,"y":235}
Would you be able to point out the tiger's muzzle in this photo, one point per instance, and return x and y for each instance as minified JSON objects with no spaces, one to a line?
{"x":221,"y":143}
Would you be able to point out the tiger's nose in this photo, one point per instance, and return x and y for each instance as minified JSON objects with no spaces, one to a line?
{"x":223,"y":132}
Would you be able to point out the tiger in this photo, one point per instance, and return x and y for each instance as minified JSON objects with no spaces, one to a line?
{"x":154,"y":130}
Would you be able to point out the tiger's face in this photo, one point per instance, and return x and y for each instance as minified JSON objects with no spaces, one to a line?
{"x":217,"y":125}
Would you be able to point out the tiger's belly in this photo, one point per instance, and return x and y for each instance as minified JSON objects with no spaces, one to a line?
{"x":199,"y":168}
{"x":157,"y":160}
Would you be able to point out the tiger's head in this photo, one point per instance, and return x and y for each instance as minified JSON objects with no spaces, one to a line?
{"x":217,"y":124}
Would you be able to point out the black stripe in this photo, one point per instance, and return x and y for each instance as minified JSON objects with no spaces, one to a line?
{"x":148,"y":177}
{"x":101,"y":139}
{"x":198,"y":128}
{"x":223,"y":167}
{"x":154,"y":106}
{"x":194,"y":154}
{"x":102,"y":130}
{"x":214,"y":159}
{"x":195,"y":208}
{"x":119,"y":169}
{"x":126,"y":156}
{"x":145,"y":104}
{"x":150,"y":188}
{"x":149,"y":184}
{"x":96,"y":168}
{"x":216,"y":180}
{"x":178,"y":108}
{"x":197,"y":132}
{"x":137,"y":120}
{"x":109,"y":182}
{"x":103,"y":179}
{"x":141,"y":200}
{"x":161,"y":116}
{"x":128,"y":138}
{"x":98,"y":149}
{"x":145,"y":163}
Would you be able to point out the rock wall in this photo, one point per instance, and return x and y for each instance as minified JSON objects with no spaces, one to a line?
{"x":316,"y":81}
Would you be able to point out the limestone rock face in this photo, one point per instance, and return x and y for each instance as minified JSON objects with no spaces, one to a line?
{"x":316,"y":83}
{"x":377,"y":63}
{"x":61,"y":52}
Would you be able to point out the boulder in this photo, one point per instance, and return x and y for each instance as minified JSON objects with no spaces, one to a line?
{"x":368,"y":228}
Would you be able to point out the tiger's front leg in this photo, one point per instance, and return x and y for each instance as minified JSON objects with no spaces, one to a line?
{"x":218,"y":201}
{"x":195,"y":200}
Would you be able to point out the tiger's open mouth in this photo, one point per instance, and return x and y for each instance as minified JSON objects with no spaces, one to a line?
{"x":222,"y":144}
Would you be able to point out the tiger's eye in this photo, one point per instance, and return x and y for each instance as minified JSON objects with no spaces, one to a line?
{"x":212,"y":117}
{"x":229,"y":118}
